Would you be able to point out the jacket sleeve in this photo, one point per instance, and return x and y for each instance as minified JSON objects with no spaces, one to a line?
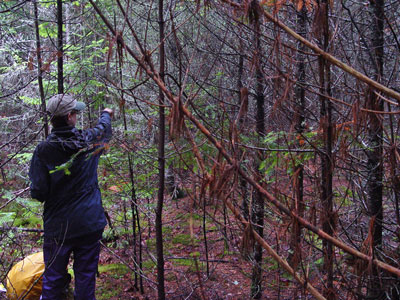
{"x":39,"y":177}
{"x":102,"y":132}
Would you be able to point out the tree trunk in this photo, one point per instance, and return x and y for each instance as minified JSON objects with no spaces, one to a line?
{"x":161,"y":162}
{"x":243,"y":183}
{"x":257,"y":211}
{"x":299,"y":118}
{"x":133,"y":202}
{"x":375,"y":135}
{"x":60,"y":54}
{"x":326,"y":155}
{"x":39,"y":70}
{"x":375,"y":167}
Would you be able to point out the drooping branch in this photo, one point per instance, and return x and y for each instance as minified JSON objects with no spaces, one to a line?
{"x":272,"y":252}
{"x":283,"y":208}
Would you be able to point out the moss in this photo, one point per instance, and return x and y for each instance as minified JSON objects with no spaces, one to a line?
{"x":167,"y":230}
{"x":195,"y":254}
{"x":107,"y":292}
{"x":118,"y":269}
{"x":143,"y":221}
{"x":190,"y":263}
{"x":149,"y":264}
{"x":151,"y":244}
{"x":197,"y":217}
{"x":211,"y":227}
{"x":226,"y":253}
{"x":184,"y":262}
{"x":184,"y":239}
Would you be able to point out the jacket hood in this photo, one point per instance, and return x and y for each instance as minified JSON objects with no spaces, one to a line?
{"x":68,"y":139}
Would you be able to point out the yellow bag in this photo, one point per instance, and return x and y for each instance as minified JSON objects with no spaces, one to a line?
{"x":26,"y":276}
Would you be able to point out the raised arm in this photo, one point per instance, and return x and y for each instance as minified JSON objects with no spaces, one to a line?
{"x":102,"y":132}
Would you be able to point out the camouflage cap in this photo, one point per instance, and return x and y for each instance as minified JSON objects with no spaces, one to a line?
{"x":62,"y":105}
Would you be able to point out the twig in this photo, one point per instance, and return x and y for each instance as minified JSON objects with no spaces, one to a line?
{"x":5,"y":228}
{"x":15,"y":197}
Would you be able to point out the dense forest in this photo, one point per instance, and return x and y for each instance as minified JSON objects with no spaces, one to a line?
{"x":254,"y":151}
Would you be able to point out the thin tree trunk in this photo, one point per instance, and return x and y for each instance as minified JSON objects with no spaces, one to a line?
{"x":60,"y":54}
{"x":375,"y":132}
{"x":298,"y":205}
{"x":133,"y":202}
{"x":139,"y":229}
{"x":67,"y":26}
{"x":326,"y":155}
{"x":205,"y":237}
{"x":243,"y":183}
{"x":394,"y":171}
{"x":258,"y":202}
{"x":161,"y":161}
{"x":39,"y":70}
{"x":375,"y":167}
{"x":134,"y":220}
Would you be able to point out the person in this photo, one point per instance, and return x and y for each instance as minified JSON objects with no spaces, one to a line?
{"x":63,"y":174}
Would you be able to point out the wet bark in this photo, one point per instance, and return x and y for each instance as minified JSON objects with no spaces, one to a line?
{"x":327,"y":217}
{"x":375,"y":142}
{"x":257,"y":210}
{"x":60,"y":50}
{"x":161,"y":161}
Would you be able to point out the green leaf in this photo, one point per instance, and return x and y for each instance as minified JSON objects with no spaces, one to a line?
{"x":30,"y":100}
{"x":262,"y":165}
{"x":23,"y":158}
{"x":6,"y":217}
{"x":47,"y":30}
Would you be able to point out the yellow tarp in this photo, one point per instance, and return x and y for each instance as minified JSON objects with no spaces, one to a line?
{"x":26,"y":276}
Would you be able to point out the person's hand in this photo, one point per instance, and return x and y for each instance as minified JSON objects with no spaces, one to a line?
{"x":110,"y":111}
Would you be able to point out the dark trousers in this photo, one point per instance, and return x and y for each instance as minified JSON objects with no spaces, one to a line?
{"x":86,"y":252}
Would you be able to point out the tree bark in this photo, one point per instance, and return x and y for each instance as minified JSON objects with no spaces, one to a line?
{"x":60,"y":50}
{"x":326,"y":154}
{"x":243,"y":184}
{"x":39,"y":70}
{"x":375,"y":140}
{"x":161,"y":161}
{"x":375,"y":167}
{"x":299,"y":118}
{"x":257,"y":210}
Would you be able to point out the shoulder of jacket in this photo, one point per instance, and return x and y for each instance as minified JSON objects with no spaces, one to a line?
{"x":42,"y":145}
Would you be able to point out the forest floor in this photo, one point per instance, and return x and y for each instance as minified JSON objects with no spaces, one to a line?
{"x":229,"y":271}
{"x":185,"y":262}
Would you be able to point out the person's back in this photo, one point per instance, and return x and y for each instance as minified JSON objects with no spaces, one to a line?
{"x":66,"y":166}
{"x":63,"y":173}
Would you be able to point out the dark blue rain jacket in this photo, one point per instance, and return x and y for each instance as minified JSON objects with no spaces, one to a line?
{"x":71,"y":195}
